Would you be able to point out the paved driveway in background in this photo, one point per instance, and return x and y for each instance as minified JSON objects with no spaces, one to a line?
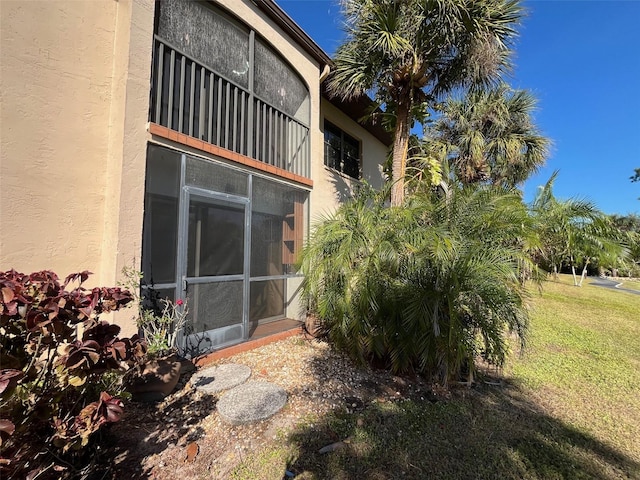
{"x":607,"y":283}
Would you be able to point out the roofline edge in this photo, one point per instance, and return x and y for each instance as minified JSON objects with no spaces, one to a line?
{"x":284,"y":21}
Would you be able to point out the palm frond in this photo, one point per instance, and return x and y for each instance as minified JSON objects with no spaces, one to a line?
{"x":426,"y":287}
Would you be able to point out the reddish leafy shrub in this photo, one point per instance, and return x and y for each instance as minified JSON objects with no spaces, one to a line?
{"x":56,"y":356}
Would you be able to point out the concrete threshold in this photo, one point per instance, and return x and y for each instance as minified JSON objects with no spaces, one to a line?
{"x":245,"y":346}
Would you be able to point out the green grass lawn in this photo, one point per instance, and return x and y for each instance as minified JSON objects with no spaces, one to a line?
{"x":568,"y":408}
{"x":631,"y":284}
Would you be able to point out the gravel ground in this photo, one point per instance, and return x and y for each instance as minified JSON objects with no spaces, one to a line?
{"x":184,"y":437}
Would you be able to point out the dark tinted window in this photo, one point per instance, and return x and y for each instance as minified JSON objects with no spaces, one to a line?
{"x":341,"y":151}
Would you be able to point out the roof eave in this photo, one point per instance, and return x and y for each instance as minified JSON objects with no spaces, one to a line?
{"x":357,"y":108}
{"x":284,"y":21}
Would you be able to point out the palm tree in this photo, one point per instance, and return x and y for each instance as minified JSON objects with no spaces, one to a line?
{"x":627,"y":229}
{"x":426,"y":288}
{"x":492,"y":136}
{"x":598,"y":240}
{"x":573,"y":231}
{"x":408,"y":52}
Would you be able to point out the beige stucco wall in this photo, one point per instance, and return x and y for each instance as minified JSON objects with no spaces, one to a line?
{"x":74,"y":80}
{"x":125,"y":170}
{"x":55,"y":82}
{"x":331,"y":187}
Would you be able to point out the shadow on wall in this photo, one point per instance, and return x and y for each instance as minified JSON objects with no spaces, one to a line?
{"x":342,"y":188}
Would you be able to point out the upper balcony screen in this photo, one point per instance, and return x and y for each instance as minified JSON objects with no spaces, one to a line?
{"x":207,"y":36}
{"x":278,"y":84}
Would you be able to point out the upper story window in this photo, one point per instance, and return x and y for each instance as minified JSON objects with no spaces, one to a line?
{"x":341,"y":151}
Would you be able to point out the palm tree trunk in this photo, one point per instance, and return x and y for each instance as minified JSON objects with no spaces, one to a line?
{"x":400,"y":146}
{"x":584,"y":271}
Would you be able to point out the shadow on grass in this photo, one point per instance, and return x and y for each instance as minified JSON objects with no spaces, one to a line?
{"x":490,"y":432}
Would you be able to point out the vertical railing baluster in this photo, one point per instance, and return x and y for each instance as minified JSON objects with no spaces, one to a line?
{"x":234,"y":145}
{"x":226,"y":115}
{"x":211,"y":93}
{"x":256,"y":154}
{"x":172,"y":74}
{"x":296,"y":154}
{"x":242,"y":149}
{"x":219,"y":111}
{"x":192,"y":96}
{"x":281,"y":136}
{"x":286,"y":138}
{"x":264,"y":133}
{"x":203,"y":93}
{"x":281,"y":143}
{"x":276,"y":132}
{"x":270,"y":151}
{"x":299,"y":155}
{"x":303,"y":159}
{"x":159,"y":68}
{"x":304,"y":149}
{"x":181,"y":106}
{"x":294,"y":147}
{"x":287,"y":142}
{"x":299,"y":159}
{"x":306,"y":164}
{"x":274,"y":135}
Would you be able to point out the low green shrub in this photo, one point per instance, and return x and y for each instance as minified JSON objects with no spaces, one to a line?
{"x":425,"y":287}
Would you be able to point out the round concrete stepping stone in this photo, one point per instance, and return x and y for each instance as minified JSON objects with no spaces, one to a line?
{"x":222,"y":377}
{"x":251,"y":402}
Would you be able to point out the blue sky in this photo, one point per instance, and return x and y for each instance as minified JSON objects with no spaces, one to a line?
{"x":581,"y":59}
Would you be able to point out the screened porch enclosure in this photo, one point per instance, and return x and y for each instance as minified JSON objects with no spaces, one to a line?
{"x":216,"y":80}
{"x":224,"y":240}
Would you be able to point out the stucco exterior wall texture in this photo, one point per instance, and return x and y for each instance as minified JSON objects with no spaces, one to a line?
{"x":64,"y":99}
{"x":56,"y":67}
{"x":74,"y":80}
{"x":128,"y":136}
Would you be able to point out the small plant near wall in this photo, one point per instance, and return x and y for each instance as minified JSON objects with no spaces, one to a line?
{"x":61,"y":373}
{"x":160,"y":321}
{"x":161,"y":330}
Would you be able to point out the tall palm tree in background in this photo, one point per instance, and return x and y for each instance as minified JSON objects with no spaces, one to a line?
{"x":492,"y":136}
{"x":408,"y":52}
